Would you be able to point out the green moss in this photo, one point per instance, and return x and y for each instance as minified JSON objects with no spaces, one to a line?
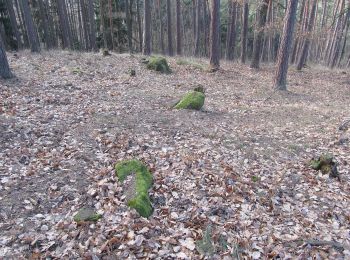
{"x":191,"y":64}
{"x":326,"y":164}
{"x":158,"y":64}
{"x":86,"y":214}
{"x":192,"y":100}
{"x":205,"y":246}
{"x":139,"y":199}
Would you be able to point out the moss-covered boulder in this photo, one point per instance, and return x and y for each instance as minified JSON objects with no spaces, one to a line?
{"x":192,"y":100}
{"x":137,"y":186}
{"x":326,"y":164}
{"x":158,"y":64}
{"x":86,"y":214}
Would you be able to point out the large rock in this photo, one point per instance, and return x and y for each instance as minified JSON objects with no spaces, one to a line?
{"x":137,"y":181}
{"x":158,"y":64}
{"x":86,"y":214}
{"x":192,"y":100}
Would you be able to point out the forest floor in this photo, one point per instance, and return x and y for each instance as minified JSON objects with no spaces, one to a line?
{"x":240,"y":167}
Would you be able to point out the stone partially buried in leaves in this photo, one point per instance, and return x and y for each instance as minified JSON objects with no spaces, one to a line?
{"x":137,"y":188}
{"x":192,"y":100}
{"x":326,"y":164}
{"x":86,"y":214}
{"x":158,"y":64}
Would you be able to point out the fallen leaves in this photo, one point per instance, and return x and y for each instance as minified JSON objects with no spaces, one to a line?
{"x":238,"y":166}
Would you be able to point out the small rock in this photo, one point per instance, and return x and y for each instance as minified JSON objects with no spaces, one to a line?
{"x":44,"y":228}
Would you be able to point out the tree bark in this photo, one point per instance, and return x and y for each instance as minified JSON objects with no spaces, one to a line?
{"x":231,"y":34}
{"x":64,"y":24}
{"x":13,"y":21}
{"x":198,"y":26}
{"x":244,"y":31}
{"x":31,"y":29}
{"x":306,"y":45}
{"x":147,"y":28}
{"x":169,"y":29}
{"x":215,"y":35}
{"x":285,"y":46}
{"x":128,"y":25}
{"x":259,"y":34}
{"x":45,"y":23}
{"x":111,"y":26}
{"x":92,"y":25}
{"x":139,"y":23}
{"x":178,"y":28}
{"x":5,"y":71}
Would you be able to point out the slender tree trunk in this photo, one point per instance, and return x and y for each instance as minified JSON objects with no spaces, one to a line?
{"x":102,"y":25}
{"x":194,"y":20}
{"x":206,"y":25}
{"x":92,"y":25}
{"x":306,"y":45}
{"x":339,"y":29}
{"x":64,"y":24}
{"x":45,"y":24}
{"x":178,"y":28}
{"x":31,"y":29}
{"x":169,"y":30}
{"x":198,"y":26}
{"x":161,"y":27}
{"x":285,"y":46}
{"x":232,"y":33}
{"x":128,"y":24}
{"x":52,"y":29}
{"x":111,"y":26}
{"x":13,"y":21}
{"x":139,"y":23}
{"x":147,"y":28}
{"x":259,"y":34}
{"x":5,"y":71}
{"x":215,"y":35}
{"x":244,"y":31}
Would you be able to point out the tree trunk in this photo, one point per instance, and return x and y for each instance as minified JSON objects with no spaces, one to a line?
{"x":244,"y":31}
{"x":147,"y":28}
{"x":31,"y":29}
{"x":259,"y":36}
{"x":102,"y":25}
{"x":215,"y":35}
{"x":64,"y":24}
{"x":5,"y":71}
{"x":13,"y":21}
{"x":231,"y":33}
{"x":285,"y":46}
{"x":194,"y":19}
{"x":139,"y":23}
{"x":92,"y":25}
{"x":128,"y":25}
{"x":178,"y":28}
{"x":45,"y":23}
{"x":169,"y":29}
{"x":306,"y":45}
{"x":111,"y":27}
{"x":198,"y":26}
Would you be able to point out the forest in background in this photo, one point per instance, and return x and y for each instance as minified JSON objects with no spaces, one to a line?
{"x":179,"y":27}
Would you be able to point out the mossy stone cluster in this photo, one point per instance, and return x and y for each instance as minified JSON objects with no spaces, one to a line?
{"x":139,"y":199}
{"x":158,"y":64}
{"x":86,"y":214}
{"x":192,"y":100}
{"x":326,"y":164}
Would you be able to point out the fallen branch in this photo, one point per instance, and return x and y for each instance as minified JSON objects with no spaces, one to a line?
{"x":334,"y":244}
